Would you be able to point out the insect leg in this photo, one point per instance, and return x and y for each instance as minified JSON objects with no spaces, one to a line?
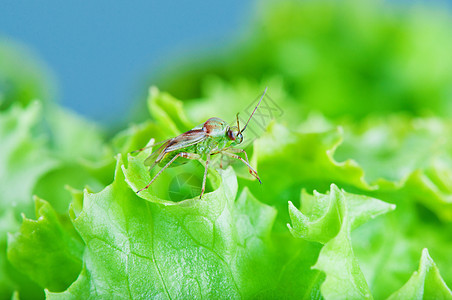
{"x":205,"y":175}
{"x":180,"y":154}
{"x":238,"y":150}
{"x":221,"y":155}
{"x":233,"y":155}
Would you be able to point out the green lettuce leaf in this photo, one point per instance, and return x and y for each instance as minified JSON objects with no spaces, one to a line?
{"x":431,"y":188}
{"x":409,"y":161}
{"x":135,"y":137}
{"x":166,"y":242}
{"x":24,"y":158}
{"x":143,"y":246}
{"x":329,"y":219}
{"x":8,"y":223}
{"x":35,"y":161}
{"x":169,"y":120}
{"x":304,"y":160}
{"x":401,"y":160}
{"x":74,"y":138}
{"x":23,"y":76}
{"x":425,"y":283}
{"x":330,"y":55}
{"x":47,"y":249}
{"x":167,"y":111}
{"x":388,"y":248}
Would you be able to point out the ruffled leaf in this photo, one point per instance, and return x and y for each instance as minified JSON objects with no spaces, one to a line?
{"x":143,"y":246}
{"x":329,"y":219}
{"x":425,"y":283}
{"x":47,"y":249}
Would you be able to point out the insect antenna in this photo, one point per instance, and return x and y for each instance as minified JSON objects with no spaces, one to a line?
{"x":262,"y":97}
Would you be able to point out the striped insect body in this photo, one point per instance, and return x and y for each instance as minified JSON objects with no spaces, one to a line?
{"x":214,"y":137}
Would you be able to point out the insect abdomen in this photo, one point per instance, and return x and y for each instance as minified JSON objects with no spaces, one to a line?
{"x":202,"y":148}
{"x":180,"y":160}
{"x":206,"y":146}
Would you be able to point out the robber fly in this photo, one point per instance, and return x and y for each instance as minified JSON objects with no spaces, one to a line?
{"x":214,"y":137}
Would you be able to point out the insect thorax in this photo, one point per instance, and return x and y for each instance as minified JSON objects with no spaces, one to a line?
{"x":206,"y":146}
{"x":215,"y":127}
{"x":209,"y":145}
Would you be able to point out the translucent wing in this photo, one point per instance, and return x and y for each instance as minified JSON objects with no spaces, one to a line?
{"x":186,"y":139}
{"x":156,"y":156}
{"x":150,"y":146}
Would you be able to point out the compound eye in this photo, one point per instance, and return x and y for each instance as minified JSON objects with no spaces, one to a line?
{"x":231,"y":135}
{"x":239,"y":138}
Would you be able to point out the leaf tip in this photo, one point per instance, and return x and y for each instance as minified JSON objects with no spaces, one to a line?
{"x":334,"y":187}
{"x":426,"y":258}
{"x":153,"y":91}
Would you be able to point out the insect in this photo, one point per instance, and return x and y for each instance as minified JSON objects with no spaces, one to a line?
{"x":215,"y":136}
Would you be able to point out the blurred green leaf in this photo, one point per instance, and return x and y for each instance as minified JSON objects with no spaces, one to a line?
{"x":23,"y":156}
{"x":408,"y":156}
{"x":344,"y":58}
{"x":47,"y":249}
{"x":329,"y":219}
{"x":167,"y":111}
{"x":425,"y":283}
{"x":24,"y":159}
{"x":8,"y":223}
{"x":23,"y":77}
{"x":304,"y":160}
{"x":74,"y":138}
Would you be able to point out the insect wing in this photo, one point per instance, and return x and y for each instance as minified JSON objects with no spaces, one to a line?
{"x":186,"y":139}
{"x":156,"y":156}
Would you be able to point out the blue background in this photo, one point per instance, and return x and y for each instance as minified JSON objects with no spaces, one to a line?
{"x":100,"y":51}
